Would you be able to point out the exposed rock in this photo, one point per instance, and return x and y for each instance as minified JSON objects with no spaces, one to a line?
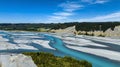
{"x":113,"y":33}
{"x":70,"y":31}
{"x":16,"y":60}
{"x":108,"y":33}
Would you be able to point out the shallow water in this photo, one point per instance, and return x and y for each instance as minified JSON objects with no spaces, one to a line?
{"x":61,"y":49}
{"x":95,"y":60}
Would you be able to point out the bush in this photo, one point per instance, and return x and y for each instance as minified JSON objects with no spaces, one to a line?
{"x":42,"y":59}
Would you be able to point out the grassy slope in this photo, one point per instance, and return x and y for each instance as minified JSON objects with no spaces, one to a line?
{"x":42,"y":59}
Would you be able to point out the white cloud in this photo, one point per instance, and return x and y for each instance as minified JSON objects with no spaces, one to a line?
{"x":101,"y":1}
{"x":60,"y":16}
{"x":68,"y":9}
{"x":70,"y":6}
{"x":110,"y":17}
{"x":87,"y":1}
{"x":63,"y":14}
{"x":95,"y":1}
{"x":57,"y":17}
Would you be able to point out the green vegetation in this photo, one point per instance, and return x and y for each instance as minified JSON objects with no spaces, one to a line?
{"x":42,"y":59}
{"x":42,"y":30}
{"x":35,"y":27}
{"x":0,"y":65}
{"x":101,"y":35}
{"x":98,"y":26}
{"x":85,"y":26}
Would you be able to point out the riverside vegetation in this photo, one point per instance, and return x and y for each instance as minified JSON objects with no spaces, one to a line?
{"x":84,"y":26}
{"x":42,"y":59}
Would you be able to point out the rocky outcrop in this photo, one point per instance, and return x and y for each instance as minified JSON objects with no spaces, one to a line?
{"x":16,"y":60}
{"x":113,"y":33}
{"x":93,"y":33}
{"x":108,"y":33}
{"x":70,"y":31}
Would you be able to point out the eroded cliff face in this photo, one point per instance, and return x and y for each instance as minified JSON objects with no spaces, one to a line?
{"x":70,"y":31}
{"x":108,"y":33}
{"x":113,"y":33}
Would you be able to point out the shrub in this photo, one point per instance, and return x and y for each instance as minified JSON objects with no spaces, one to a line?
{"x":42,"y":59}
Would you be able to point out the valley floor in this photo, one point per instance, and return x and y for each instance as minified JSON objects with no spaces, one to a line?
{"x":100,"y":46}
{"x":12,"y":44}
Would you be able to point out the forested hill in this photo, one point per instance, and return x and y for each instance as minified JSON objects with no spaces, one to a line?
{"x":34,"y":26}
{"x":84,"y":26}
{"x":99,"y":26}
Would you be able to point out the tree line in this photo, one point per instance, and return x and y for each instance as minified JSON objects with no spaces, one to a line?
{"x":83,"y":26}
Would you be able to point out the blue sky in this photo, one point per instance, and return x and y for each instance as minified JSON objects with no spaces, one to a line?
{"x":54,"y":11}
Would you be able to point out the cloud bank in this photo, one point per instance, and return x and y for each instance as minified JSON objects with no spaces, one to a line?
{"x":69,"y":9}
{"x":110,"y":17}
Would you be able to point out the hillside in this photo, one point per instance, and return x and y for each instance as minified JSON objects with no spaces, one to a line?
{"x":84,"y":28}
